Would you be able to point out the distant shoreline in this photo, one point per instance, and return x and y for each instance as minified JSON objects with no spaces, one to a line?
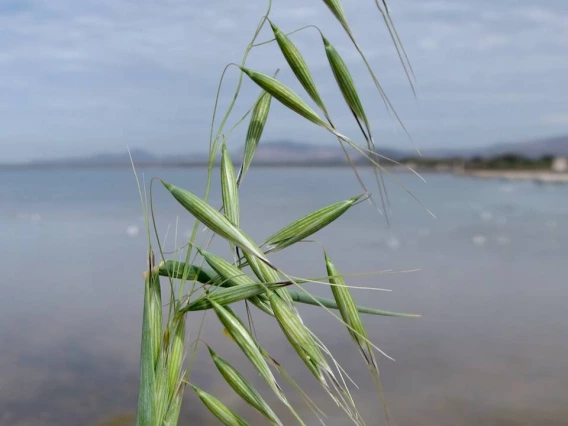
{"x":58,"y":166}
{"x":537,"y":175}
{"x":541,"y":176}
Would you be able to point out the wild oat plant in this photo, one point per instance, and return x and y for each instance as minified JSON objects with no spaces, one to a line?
{"x":204,"y":281}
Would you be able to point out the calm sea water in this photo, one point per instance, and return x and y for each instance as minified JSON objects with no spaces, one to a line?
{"x":490,"y":280}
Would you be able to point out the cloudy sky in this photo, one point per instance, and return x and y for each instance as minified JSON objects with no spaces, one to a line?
{"x":79,"y":77}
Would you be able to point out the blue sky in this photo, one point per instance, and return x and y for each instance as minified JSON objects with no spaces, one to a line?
{"x":80,"y":77}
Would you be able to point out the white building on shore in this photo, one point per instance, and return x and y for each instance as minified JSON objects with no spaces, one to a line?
{"x":560,"y":165}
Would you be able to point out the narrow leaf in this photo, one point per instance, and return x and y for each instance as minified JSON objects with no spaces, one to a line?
{"x":180,"y":270}
{"x":301,"y":297}
{"x":146,"y":397}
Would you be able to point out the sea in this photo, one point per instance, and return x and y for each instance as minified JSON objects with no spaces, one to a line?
{"x":488,"y":275}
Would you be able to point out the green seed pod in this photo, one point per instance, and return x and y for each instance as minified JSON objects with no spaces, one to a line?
{"x":345,"y":82}
{"x":229,"y":190}
{"x":233,"y":276}
{"x":256,"y":127}
{"x":219,"y":410}
{"x":249,"y":346}
{"x":285,"y":96}
{"x":243,"y":388}
{"x":226,"y":296}
{"x":309,"y":224}
{"x":298,"y":65}
{"x":300,"y":338}
{"x":337,"y":9}
{"x":348,"y":309}
{"x":214,"y":220}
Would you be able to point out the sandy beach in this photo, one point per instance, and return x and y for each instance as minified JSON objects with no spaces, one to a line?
{"x":536,"y":175}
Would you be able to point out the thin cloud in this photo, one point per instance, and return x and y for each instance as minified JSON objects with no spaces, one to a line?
{"x":560,"y":119}
{"x":95,"y":75}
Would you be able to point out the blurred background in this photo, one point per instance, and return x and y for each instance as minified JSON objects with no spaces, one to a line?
{"x":81,"y":82}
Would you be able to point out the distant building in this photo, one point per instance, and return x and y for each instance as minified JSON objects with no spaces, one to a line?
{"x":560,"y":165}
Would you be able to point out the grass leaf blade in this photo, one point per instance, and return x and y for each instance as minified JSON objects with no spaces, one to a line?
{"x":181,"y":270}
{"x":146,"y":397}
{"x":301,"y":297}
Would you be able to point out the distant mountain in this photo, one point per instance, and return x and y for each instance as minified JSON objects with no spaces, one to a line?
{"x":301,"y":153}
{"x":270,"y":153}
{"x":102,"y":159}
{"x":555,"y":146}
{"x":286,"y":152}
{"x":139,"y":156}
{"x":292,"y":152}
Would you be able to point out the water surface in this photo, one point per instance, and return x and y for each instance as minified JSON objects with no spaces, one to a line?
{"x":490,"y":349}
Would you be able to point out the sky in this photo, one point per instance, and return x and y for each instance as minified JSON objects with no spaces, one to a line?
{"x":82,"y":77}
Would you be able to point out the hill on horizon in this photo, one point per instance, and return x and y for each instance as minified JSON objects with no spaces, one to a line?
{"x":555,"y":146}
{"x":293,"y":152}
